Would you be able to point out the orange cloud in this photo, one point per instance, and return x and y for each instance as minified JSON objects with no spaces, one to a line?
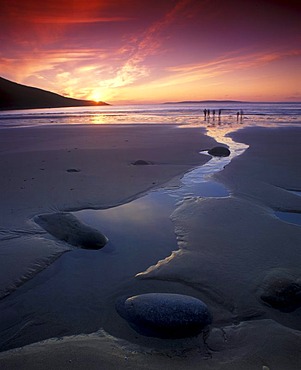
{"x":47,"y":65}
{"x":226,"y":64}
{"x":91,"y":49}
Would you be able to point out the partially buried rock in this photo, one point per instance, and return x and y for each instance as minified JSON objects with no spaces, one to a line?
{"x":141,"y":162}
{"x":281,"y":290}
{"x":73,"y":170}
{"x":66,"y":227}
{"x":219,"y":151}
{"x":165,"y":315}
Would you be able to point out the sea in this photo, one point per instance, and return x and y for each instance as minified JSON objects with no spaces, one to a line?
{"x":187,"y":114}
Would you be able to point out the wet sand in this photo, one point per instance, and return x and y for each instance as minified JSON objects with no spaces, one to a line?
{"x":36,"y":178}
{"x":228,"y":247}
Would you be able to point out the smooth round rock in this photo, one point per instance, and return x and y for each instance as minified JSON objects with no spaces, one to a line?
{"x":281,"y":290}
{"x":165,"y":315}
{"x":219,"y":151}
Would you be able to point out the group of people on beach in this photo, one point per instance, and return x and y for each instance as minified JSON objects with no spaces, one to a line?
{"x":207,"y":114}
{"x":239,"y":114}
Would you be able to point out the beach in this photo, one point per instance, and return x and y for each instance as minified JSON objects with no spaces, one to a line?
{"x":231,"y":251}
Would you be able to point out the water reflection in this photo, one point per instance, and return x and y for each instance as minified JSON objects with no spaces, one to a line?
{"x":139,"y":231}
{"x":148,"y":213}
{"x":290,"y":217}
{"x":71,"y":294}
{"x":180,"y":114}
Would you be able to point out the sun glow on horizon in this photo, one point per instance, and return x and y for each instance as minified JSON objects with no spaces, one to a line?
{"x":129,"y":51}
{"x":96,"y":96}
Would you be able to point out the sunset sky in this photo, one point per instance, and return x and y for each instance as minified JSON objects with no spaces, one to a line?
{"x":127,"y":51}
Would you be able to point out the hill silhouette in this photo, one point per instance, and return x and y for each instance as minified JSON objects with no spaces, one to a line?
{"x":17,"y":96}
{"x":207,"y":101}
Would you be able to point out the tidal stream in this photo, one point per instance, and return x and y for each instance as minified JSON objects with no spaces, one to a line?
{"x":70,"y":296}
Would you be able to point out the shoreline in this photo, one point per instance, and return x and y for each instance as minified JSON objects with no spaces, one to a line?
{"x":227,"y":246}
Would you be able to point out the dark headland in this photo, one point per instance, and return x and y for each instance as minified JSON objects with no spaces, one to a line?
{"x":17,"y":96}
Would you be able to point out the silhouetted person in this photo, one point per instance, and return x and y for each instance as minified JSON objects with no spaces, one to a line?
{"x":205,"y":114}
{"x":237,"y":114}
{"x":208,"y":112}
{"x":213,"y":113}
{"x":241,"y":116}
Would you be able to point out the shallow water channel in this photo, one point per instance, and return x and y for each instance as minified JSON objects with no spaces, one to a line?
{"x":69,"y":296}
{"x":290,"y":217}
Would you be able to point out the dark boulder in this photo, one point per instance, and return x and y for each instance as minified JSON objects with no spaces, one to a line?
{"x":165,"y":315}
{"x":219,"y":151}
{"x":66,"y":227}
{"x":281,"y":290}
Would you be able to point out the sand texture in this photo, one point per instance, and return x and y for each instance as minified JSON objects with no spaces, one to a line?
{"x":231,"y":251}
{"x":36,"y":179}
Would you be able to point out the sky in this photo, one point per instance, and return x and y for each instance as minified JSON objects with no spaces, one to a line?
{"x":153,"y":51}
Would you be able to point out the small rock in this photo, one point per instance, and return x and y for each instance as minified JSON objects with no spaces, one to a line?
{"x":219,"y":151}
{"x":141,"y":162}
{"x":73,"y":170}
{"x":165,"y":315}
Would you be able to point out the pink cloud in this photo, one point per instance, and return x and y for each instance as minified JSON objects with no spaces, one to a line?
{"x":148,"y":44}
{"x":227,"y":64}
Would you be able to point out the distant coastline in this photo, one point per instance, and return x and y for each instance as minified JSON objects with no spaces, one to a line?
{"x":207,"y":102}
{"x":17,"y":96}
{"x":228,"y":102}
